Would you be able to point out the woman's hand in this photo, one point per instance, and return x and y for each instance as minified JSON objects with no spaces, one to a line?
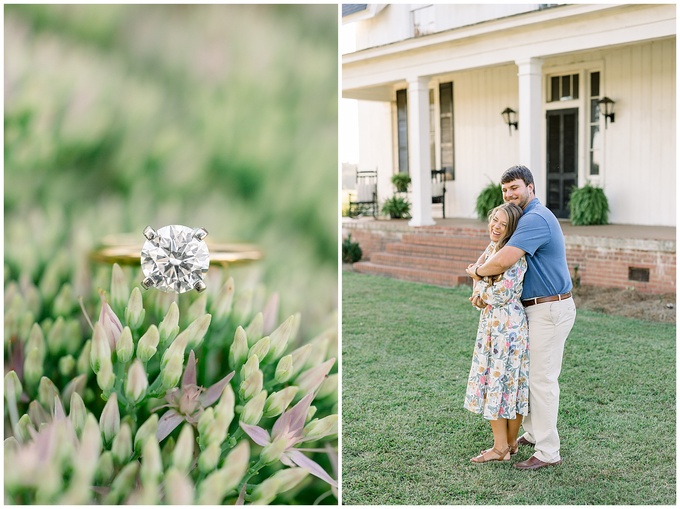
{"x":475,"y":299}
{"x":471,"y":271}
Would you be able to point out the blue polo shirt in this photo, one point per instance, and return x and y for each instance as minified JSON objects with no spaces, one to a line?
{"x":539,"y":235}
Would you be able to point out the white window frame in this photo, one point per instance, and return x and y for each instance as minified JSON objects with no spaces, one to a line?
{"x":583,"y":69}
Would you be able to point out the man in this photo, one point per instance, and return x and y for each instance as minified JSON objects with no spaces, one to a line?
{"x":549,"y":307}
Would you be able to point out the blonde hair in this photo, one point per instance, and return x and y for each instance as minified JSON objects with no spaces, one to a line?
{"x":514,"y":212}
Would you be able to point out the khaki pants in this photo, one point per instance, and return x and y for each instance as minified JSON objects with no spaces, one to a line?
{"x":549,"y":326}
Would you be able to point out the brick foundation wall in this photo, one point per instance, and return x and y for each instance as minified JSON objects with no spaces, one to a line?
{"x":371,"y":240}
{"x":601,"y":261}
{"x":610,"y":266}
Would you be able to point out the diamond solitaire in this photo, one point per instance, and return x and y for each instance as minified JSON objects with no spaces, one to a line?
{"x":175,"y":258}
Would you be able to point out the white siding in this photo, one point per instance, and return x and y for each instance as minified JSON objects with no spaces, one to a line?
{"x":391,"y":24}
{"x":639,"y":169}
{"x":484,"y":148}
{"x":395,"y":22}
{"x":448,"y":17}
{"x":637,"y":63}
{"x":375,"y":143}
{"x":640,"y":160}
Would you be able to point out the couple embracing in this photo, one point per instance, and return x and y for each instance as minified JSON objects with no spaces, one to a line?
{"x":523,"y":288}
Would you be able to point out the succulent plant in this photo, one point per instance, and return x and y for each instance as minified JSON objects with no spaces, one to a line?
{"x":133,"y":408}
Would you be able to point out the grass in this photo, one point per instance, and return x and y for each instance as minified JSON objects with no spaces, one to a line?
{"x":406,"y":438}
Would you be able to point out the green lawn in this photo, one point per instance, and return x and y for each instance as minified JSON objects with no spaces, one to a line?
{"x":406,"y":438}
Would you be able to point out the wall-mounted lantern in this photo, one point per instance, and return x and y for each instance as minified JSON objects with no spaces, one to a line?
{"x":510,"y":117}
{"x":607,"y":109}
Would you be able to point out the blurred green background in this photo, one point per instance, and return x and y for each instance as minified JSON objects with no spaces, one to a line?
{"x":222,"y":116}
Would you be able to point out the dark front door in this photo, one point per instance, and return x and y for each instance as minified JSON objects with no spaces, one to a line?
{"x":562,"y":159}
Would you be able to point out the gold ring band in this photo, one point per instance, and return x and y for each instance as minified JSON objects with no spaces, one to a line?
{"x":126,"y":249}
{"x":175,"y":258}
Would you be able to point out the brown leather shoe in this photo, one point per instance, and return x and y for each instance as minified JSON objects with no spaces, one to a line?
{"x":524,"y":441}
{"x":534,"y":463}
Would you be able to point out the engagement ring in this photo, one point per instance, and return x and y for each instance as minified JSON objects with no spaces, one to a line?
{"x":174,"y":258}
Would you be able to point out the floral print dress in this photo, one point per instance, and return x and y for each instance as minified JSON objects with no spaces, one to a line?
{"x":498,"y":385}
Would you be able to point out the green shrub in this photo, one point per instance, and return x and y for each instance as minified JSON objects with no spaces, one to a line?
{"x":576,"y":280}
{"x":588,"y":206}
{"x":401,"y":181}
{"x":490,"y":197}
{"x":397,"y":208}
{"x":351,"y":251}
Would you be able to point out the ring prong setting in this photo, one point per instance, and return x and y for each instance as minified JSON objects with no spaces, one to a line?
{"x":150,"y":233}
{"x":175,"y":258}
{"x":200,"y":233}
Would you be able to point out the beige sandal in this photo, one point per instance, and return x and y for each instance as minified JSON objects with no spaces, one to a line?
{"x":502,"y":456}
{"x":513,"y":449}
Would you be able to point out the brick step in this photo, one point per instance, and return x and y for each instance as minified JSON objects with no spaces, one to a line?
{"x":446,"y":240}
{"x":455,"y":231}
{"x":431,"y":277}
{"x":447,"y":265}
{"x":465,"y":253}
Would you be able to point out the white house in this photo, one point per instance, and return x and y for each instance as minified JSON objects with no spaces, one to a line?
{"x":432,"y":81}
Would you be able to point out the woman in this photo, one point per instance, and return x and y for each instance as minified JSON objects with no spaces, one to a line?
{"x":498,"y":385}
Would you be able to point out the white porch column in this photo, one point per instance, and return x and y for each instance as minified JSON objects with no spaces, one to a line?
{"x":530,"y":120}
{"x":419,"y":151}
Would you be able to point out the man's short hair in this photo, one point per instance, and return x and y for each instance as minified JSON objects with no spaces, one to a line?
{"x":518,"y":172}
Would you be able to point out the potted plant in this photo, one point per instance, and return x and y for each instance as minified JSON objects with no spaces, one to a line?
{"x":351,"y":251}
{"x":588,"y":205}
{"x":401,"y":181}
{"x":490,"y":197}
{"x":396,"y":207}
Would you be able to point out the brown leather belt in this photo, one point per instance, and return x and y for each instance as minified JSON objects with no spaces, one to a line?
{"x":540,"y":300}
